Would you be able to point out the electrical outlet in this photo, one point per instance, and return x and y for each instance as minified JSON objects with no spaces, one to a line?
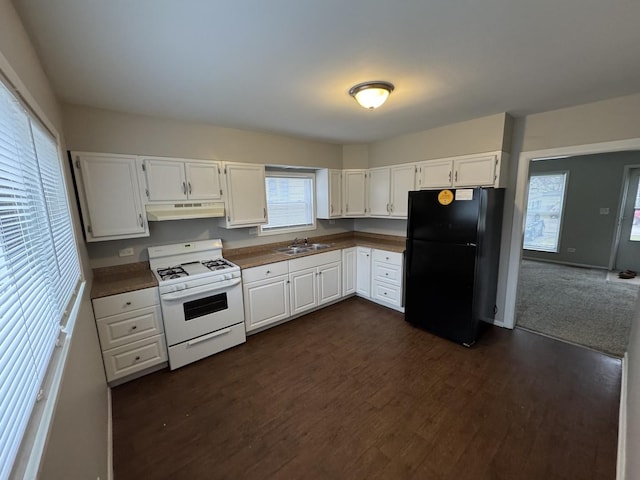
{"x":571,"y":250}
{"x":126,"y":252}
{"x":604,"y":211}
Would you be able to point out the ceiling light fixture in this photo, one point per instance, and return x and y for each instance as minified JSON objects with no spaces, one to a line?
{"x":371,"y":94}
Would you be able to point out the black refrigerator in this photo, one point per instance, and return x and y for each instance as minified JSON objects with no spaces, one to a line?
{"x":452,"y":257}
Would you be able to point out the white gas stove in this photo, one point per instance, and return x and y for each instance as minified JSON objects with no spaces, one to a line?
{"x":201,"y":299}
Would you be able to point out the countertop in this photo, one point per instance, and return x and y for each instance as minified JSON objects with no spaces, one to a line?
{"x":136,"y":276}
{"x":264,"y":254}
{"x":121,"y":279}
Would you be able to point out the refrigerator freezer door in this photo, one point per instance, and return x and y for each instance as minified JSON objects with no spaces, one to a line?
{"x":457,"y":222}
{"x":440,"y":289}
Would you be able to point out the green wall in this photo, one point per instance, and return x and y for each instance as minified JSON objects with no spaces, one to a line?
{"x":595,"y":182}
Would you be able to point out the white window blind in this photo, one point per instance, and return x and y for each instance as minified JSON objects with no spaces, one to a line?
{"x":39,"y":266}
{"x":289,"y":202}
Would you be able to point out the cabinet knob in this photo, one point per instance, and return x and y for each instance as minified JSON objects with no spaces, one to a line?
{"x":268,"y":272}
{"x":134,"y":327}
{"x":387,"y":258}
{"x":137,"y":358}
{"x":386,"y":274}
{"x":128,"y":304}
{"x":385,"y":293}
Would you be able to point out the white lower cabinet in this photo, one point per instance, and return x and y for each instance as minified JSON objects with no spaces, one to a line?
{"x":266,"y":295}
{"x":386,"y":278}
{"x":348,"y":271}
{"x":315,"y":280}
{"x":131,"y":332}
{"x":363,"y":272}
{"x":277,"y":291}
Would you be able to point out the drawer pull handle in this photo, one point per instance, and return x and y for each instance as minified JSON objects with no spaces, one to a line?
{"x":137,"y":358}
{"x":386,"y":274}
{"x":385,"y":293}
{"x":204,"y":338}
{"x":128,"y":304}
{"x":134,"y":327}
{"x":268,"y":272}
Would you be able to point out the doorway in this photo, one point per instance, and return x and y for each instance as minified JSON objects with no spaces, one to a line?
{"x":628,"y":250}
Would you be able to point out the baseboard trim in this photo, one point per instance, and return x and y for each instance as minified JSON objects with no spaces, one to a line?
{"x":109,"y":436}
{"x":622,"y":424}
{"x":569,"y":264}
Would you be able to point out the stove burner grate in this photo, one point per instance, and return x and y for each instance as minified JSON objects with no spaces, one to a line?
{"x":172,"y":272}
{"x":217,"y":264}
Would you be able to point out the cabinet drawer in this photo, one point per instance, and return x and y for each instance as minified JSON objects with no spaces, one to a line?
{"x":125,"y":302}
{"x":202,"y":347}
{"x":128,"y":327}
{"x":264,"y":271}
{"x":315,"y":260}
{"x":393,"y":258}
{"x":387,"y":273}
{"x":133,"y":357}
{"x":386,"y":293}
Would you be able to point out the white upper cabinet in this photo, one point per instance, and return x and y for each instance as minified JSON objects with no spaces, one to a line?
{"x":354,"y":193}
{"x":388,"y":190}
{"x":110,"y":197}
{"x":403,"y":178}
{"x":483,"y":170}
{"x":435,"y":174}
{"x":328,"y":193}
{"x":245,"y":195}
{"x":475,"y":172}
{"x":171,"y":180}
{"x":379,"y":179}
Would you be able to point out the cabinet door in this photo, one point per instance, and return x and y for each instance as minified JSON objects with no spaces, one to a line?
{"x":475,"y":172}
{"x":246,"y":199}
{"x":335,"y":193}
{"x":329,"y":283}
{"x":111,"y":201}
{"x":266,"y":302}
{"x":436,"y":174}
{"x":355,"y":193}
{"x":166,"y":180}
{"x":403,"y":180}
{"x":363,"y":272}
{"x":304,"y":290}
{"x":203,"y":180}
{"x":348,"y":271}
{"x":379,"y":192}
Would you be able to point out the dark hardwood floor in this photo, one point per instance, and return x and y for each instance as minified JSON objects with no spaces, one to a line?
{"x":354,"y":392}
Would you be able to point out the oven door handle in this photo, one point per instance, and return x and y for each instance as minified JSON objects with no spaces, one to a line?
{"x":182,"y":294}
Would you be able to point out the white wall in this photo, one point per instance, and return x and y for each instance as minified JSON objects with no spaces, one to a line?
{"x":486,"y":134}
{"x":96,"y":130}
{"x":77,"y":443}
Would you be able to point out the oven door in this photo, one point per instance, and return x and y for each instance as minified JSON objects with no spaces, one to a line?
{"x":197,"y":311}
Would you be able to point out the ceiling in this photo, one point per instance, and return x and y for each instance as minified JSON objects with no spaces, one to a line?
{"x":285,"y":66}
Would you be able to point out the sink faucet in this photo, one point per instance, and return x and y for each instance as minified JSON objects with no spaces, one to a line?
{"x":295,"y":241}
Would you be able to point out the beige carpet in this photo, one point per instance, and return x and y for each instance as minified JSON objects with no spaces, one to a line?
{"x":577,"y":305}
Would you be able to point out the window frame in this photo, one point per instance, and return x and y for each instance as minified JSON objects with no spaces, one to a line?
{"x":32,"y":441}
{"x":292,"y":229}
{"x":560,"y":213}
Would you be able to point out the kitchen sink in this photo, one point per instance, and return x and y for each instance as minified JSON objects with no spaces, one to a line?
{"x":295,"y":249}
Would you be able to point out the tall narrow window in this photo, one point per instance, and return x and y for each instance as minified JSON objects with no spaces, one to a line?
{"x":635,"y":226}
{"x":39,"y":267}
{"x":290,"y":206}
{"x":544,"y":211}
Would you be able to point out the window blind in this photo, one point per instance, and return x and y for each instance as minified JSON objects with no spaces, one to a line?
{"x":39,"y":266}
{"x":289,"y":201}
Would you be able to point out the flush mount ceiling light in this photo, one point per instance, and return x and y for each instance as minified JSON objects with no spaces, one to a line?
{"x":371,"y":94}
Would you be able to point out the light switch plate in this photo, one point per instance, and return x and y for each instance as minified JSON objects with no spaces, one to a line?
{"x":126,"y":252}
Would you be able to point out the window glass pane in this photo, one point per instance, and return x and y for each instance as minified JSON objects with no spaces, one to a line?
{"x":635,"y":226}
{"x":289,"y":202}
{"x":544,"y":212}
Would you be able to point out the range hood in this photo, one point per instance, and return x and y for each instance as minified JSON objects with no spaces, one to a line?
{"x":183,"y":211}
